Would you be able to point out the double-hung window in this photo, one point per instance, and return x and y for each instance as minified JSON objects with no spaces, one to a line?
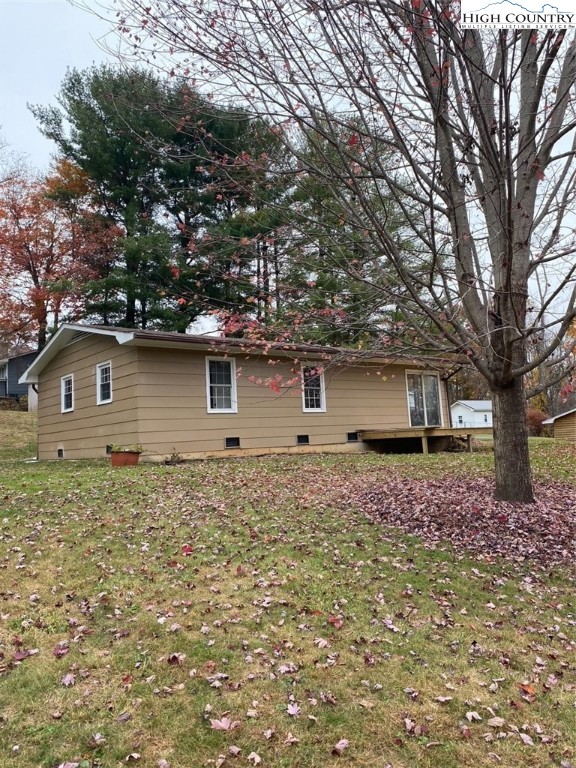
{"x":103,"y":383}
{"x":313,"y":392}
{"x":67,"y":393}
{"x":221,"y":385}
{"x":424,"y":399}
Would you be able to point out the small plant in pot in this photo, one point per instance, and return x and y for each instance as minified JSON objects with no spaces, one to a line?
{"x":125,"y":455}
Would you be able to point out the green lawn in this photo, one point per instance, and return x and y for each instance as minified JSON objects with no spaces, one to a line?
{"x":17,"y":435}
{"x":239,"y":612}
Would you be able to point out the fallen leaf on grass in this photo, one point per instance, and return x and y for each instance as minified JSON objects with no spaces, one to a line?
{"x":340,"y":747}
{"x":225,"y":724}
{"x":496,"y":722}
{"x":21,"y":655}
{"x":285,"y":669}
{"x":414,"y":728}
{"x":60,"y":649}
{"x":68,"y":680}
{"x":254,"y":758}
{"x":527,"y":692}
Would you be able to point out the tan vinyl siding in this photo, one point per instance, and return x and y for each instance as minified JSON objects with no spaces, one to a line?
{"x":565,"y":427}
{"x":89,"y":428}
{"x":173,"y":404}
{"x":160,"y":402}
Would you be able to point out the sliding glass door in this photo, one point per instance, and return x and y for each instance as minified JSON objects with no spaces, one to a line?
{"x":424,"y":399}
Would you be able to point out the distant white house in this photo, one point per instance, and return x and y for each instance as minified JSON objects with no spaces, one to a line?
{"x":471,"y":413}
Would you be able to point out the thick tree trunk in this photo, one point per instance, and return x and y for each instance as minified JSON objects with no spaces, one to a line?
{"x":512,"y":463}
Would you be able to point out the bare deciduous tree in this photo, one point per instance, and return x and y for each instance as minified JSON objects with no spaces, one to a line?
{"x":472,"y":133}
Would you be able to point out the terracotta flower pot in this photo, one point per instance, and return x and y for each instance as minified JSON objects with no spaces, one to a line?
{"x":124,"y":458}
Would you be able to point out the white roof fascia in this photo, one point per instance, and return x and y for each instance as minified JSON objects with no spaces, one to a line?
{"x":461,"y":404}
{"x":62,"y":336}
{"x":487,"y":408}
{"x":559,"y":416}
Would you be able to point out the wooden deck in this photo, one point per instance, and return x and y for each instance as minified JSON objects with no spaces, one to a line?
{"x":424,"y":434}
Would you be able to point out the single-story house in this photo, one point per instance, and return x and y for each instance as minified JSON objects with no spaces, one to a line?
{"x":201,"y":396}
{"x":471,"y":413}
{"x":564,"y":425}
{"x":11,"y":369}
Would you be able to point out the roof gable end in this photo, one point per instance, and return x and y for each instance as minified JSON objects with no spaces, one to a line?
{"x":65,"y":335}
{"x":474,"y":405}
{"x":559,"y":416}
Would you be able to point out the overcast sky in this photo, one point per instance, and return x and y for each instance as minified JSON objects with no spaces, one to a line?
{"x":39,"y":41}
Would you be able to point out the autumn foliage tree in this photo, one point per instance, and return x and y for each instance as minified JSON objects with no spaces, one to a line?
{"x":471,"y":132}
{"x":49,"y":249}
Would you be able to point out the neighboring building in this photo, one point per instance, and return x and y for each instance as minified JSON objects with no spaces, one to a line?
{"x":564,"y":425}
{"x":471,"y":413}
{"x":204,"y":396}
{"x":11,"y":369}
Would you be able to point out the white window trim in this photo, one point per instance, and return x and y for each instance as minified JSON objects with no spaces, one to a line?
{"x":69,"y":376}
{"x":233,"y":392}
{"x":322,"y":408}
{"x":99,"y":368}
{"x":424,"y":373}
